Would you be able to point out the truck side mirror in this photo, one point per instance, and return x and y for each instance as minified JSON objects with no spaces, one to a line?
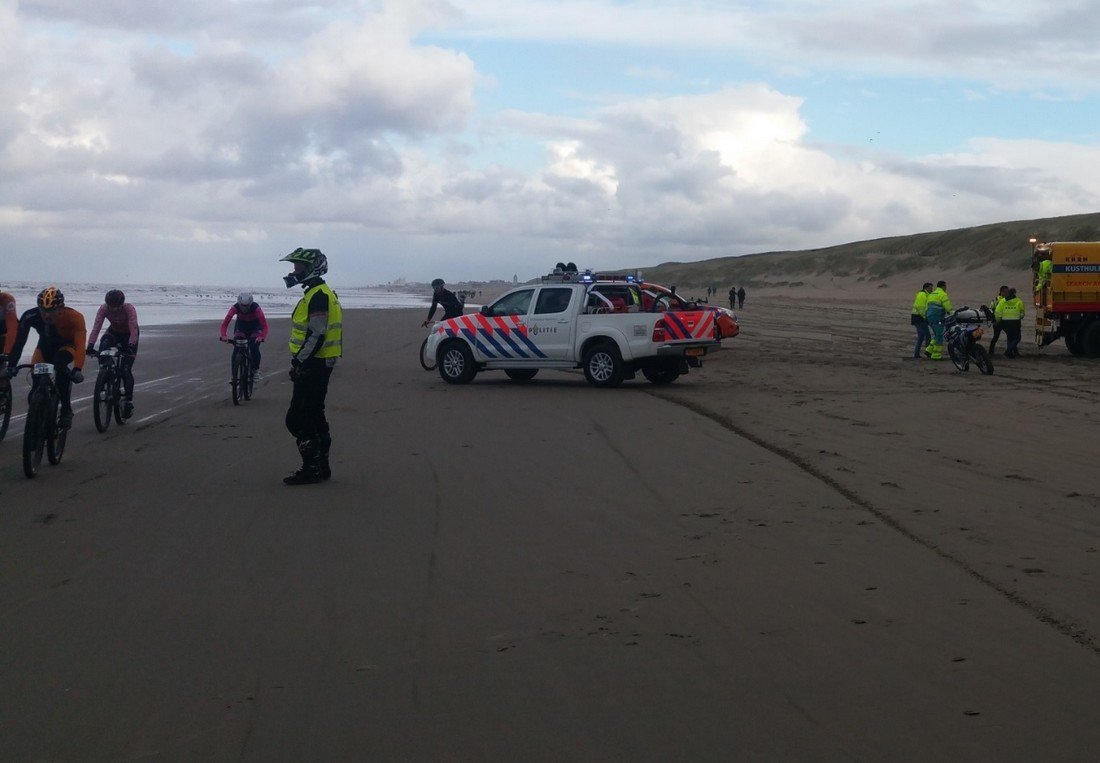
{"x":486,"y":310}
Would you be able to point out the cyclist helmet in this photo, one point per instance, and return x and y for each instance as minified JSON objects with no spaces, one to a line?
{"x":51,"y":298}
{"x":244,"y":300}
{"x":115,"y":298}
{"x":316,"y":264}
{"x":437,"y":283}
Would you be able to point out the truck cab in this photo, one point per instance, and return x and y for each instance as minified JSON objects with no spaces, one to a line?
{"x":1066,"y":282}
{"x":573,"y":321}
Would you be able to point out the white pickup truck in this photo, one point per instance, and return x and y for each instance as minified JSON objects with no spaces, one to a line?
{"x":598,"y":326}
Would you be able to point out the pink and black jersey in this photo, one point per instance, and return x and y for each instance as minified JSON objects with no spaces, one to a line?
{"x":123,"y":322}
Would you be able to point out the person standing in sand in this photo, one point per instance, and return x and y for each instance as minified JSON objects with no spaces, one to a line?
{"x":993,"y":305}
{"x":920,"y":305}
{"x":316,"y":342}
{"x":733,"y":297}
{"x":939,"y":305}
{"x":741,"y":297}
{"x":1009,"y":315}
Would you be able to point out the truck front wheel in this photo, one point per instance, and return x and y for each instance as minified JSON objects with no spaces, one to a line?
{"x":603,"y":365}
{"x":456,"y":363}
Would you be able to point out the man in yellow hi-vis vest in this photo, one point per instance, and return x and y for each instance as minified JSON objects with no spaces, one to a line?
{"x":316,"y":341}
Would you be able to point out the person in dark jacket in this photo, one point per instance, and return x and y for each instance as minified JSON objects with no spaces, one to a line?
{"x":441,"y":297}
{"x":741,"y":297}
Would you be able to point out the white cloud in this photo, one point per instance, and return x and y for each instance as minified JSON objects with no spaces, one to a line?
{"x":231,"y":134}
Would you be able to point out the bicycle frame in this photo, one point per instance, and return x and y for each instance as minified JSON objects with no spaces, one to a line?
{"x":240,"y":370}
{"x":41,"y":431}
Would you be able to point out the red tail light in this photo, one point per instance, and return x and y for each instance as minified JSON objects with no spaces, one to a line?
{"x":659,"y":331}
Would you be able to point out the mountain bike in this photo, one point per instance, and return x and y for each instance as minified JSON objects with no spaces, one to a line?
{"x":241,"y":379}
{"x":427,"y":361}
{"x":42,"y":432}
{"x":5,"y":404}
{"x":107,"y":400}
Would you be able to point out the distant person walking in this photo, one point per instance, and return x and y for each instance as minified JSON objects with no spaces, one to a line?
{"x":939,"y":305}
{"x":741,"y":297}
{"x":733,"y":297}
{"x":994,"y":304}
{"x":920,"y":306}
{"x":1009,"y":315}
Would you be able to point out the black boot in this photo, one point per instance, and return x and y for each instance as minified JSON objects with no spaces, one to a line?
{"x":310,"y":471}
{"x":326,"y":443}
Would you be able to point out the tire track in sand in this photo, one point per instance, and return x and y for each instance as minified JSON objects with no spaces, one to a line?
{"x":1078,"y":633}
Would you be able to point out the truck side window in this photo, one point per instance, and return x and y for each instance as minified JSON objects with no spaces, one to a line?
{"x":552,"y":301}
{"x":516,"y":303}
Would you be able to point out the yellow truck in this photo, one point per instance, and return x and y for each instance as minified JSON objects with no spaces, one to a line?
{"x":1066,"y":281}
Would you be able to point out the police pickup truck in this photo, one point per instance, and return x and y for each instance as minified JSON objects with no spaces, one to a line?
{"x":579,"y":322}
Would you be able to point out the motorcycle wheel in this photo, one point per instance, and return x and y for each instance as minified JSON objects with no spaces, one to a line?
{"x":981,"y":359}
{"x":958,"y":356}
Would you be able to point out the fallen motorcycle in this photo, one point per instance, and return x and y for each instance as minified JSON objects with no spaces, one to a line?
{"x":962,"y":333}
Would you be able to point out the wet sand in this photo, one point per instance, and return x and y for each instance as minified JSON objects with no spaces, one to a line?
{"x":812,"y":548}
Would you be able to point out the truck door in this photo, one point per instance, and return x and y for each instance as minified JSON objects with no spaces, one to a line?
{"x":550,"y":324}
{"x":500,"y":331}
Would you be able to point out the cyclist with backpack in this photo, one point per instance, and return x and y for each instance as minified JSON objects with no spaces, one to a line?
{"x":61,"y":340}
{"x":251,"y":325}
{"x":122,"y":332}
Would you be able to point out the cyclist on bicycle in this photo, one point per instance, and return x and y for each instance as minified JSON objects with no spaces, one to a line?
{"x":441,"y":297}
{"x":61,"y":339}
{"x":251,"y":325}
{"x":122,"y":332}
{"x":9,"y":323}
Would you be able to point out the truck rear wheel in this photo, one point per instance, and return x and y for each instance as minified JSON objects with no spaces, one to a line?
{"x":1073,"y":343}
{"x":1089,"y":337}
{"x":603,"y":365}
{"x":456,"y":363}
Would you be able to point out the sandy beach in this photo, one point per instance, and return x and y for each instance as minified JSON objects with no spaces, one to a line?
{"x":814,"y":547}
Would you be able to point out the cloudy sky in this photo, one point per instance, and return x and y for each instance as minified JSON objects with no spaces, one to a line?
{"x":160,"y":141}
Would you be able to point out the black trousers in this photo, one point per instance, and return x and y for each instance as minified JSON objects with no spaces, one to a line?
{"x":997,"y":329}
{"x":305,"y":419}
{"x":1012,"y":332}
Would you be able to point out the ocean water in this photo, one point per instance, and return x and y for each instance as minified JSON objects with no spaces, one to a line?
{"x":160,"y":306}
{"x":169,"y":305}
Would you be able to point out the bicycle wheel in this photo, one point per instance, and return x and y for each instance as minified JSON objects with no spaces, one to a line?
{"x":981,"y":359}
{"x":426,"y":362}
{"x":34,"y":435}
{"x":116,"y":399}
{"x":55,"y":435}
{"x":5,"y":407}
{"x":101,"y":400}
{"x":238,"y":378}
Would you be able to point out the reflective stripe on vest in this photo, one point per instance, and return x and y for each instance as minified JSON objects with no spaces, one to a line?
{"x":334,"y":330}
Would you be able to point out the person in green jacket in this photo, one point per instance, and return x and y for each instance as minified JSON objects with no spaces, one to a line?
{"x":993,"y":303}
{"x":1009,"y":315}
{"x":1042,"y":272}
{"x":939,"y":305}
{"x":920,"y":304}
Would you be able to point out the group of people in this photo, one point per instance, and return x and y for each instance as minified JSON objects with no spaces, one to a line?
{"x":64,"y":342}
{"x":316,"y":342}
{"x":932,"y":305}
{"x":737,"y":297}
